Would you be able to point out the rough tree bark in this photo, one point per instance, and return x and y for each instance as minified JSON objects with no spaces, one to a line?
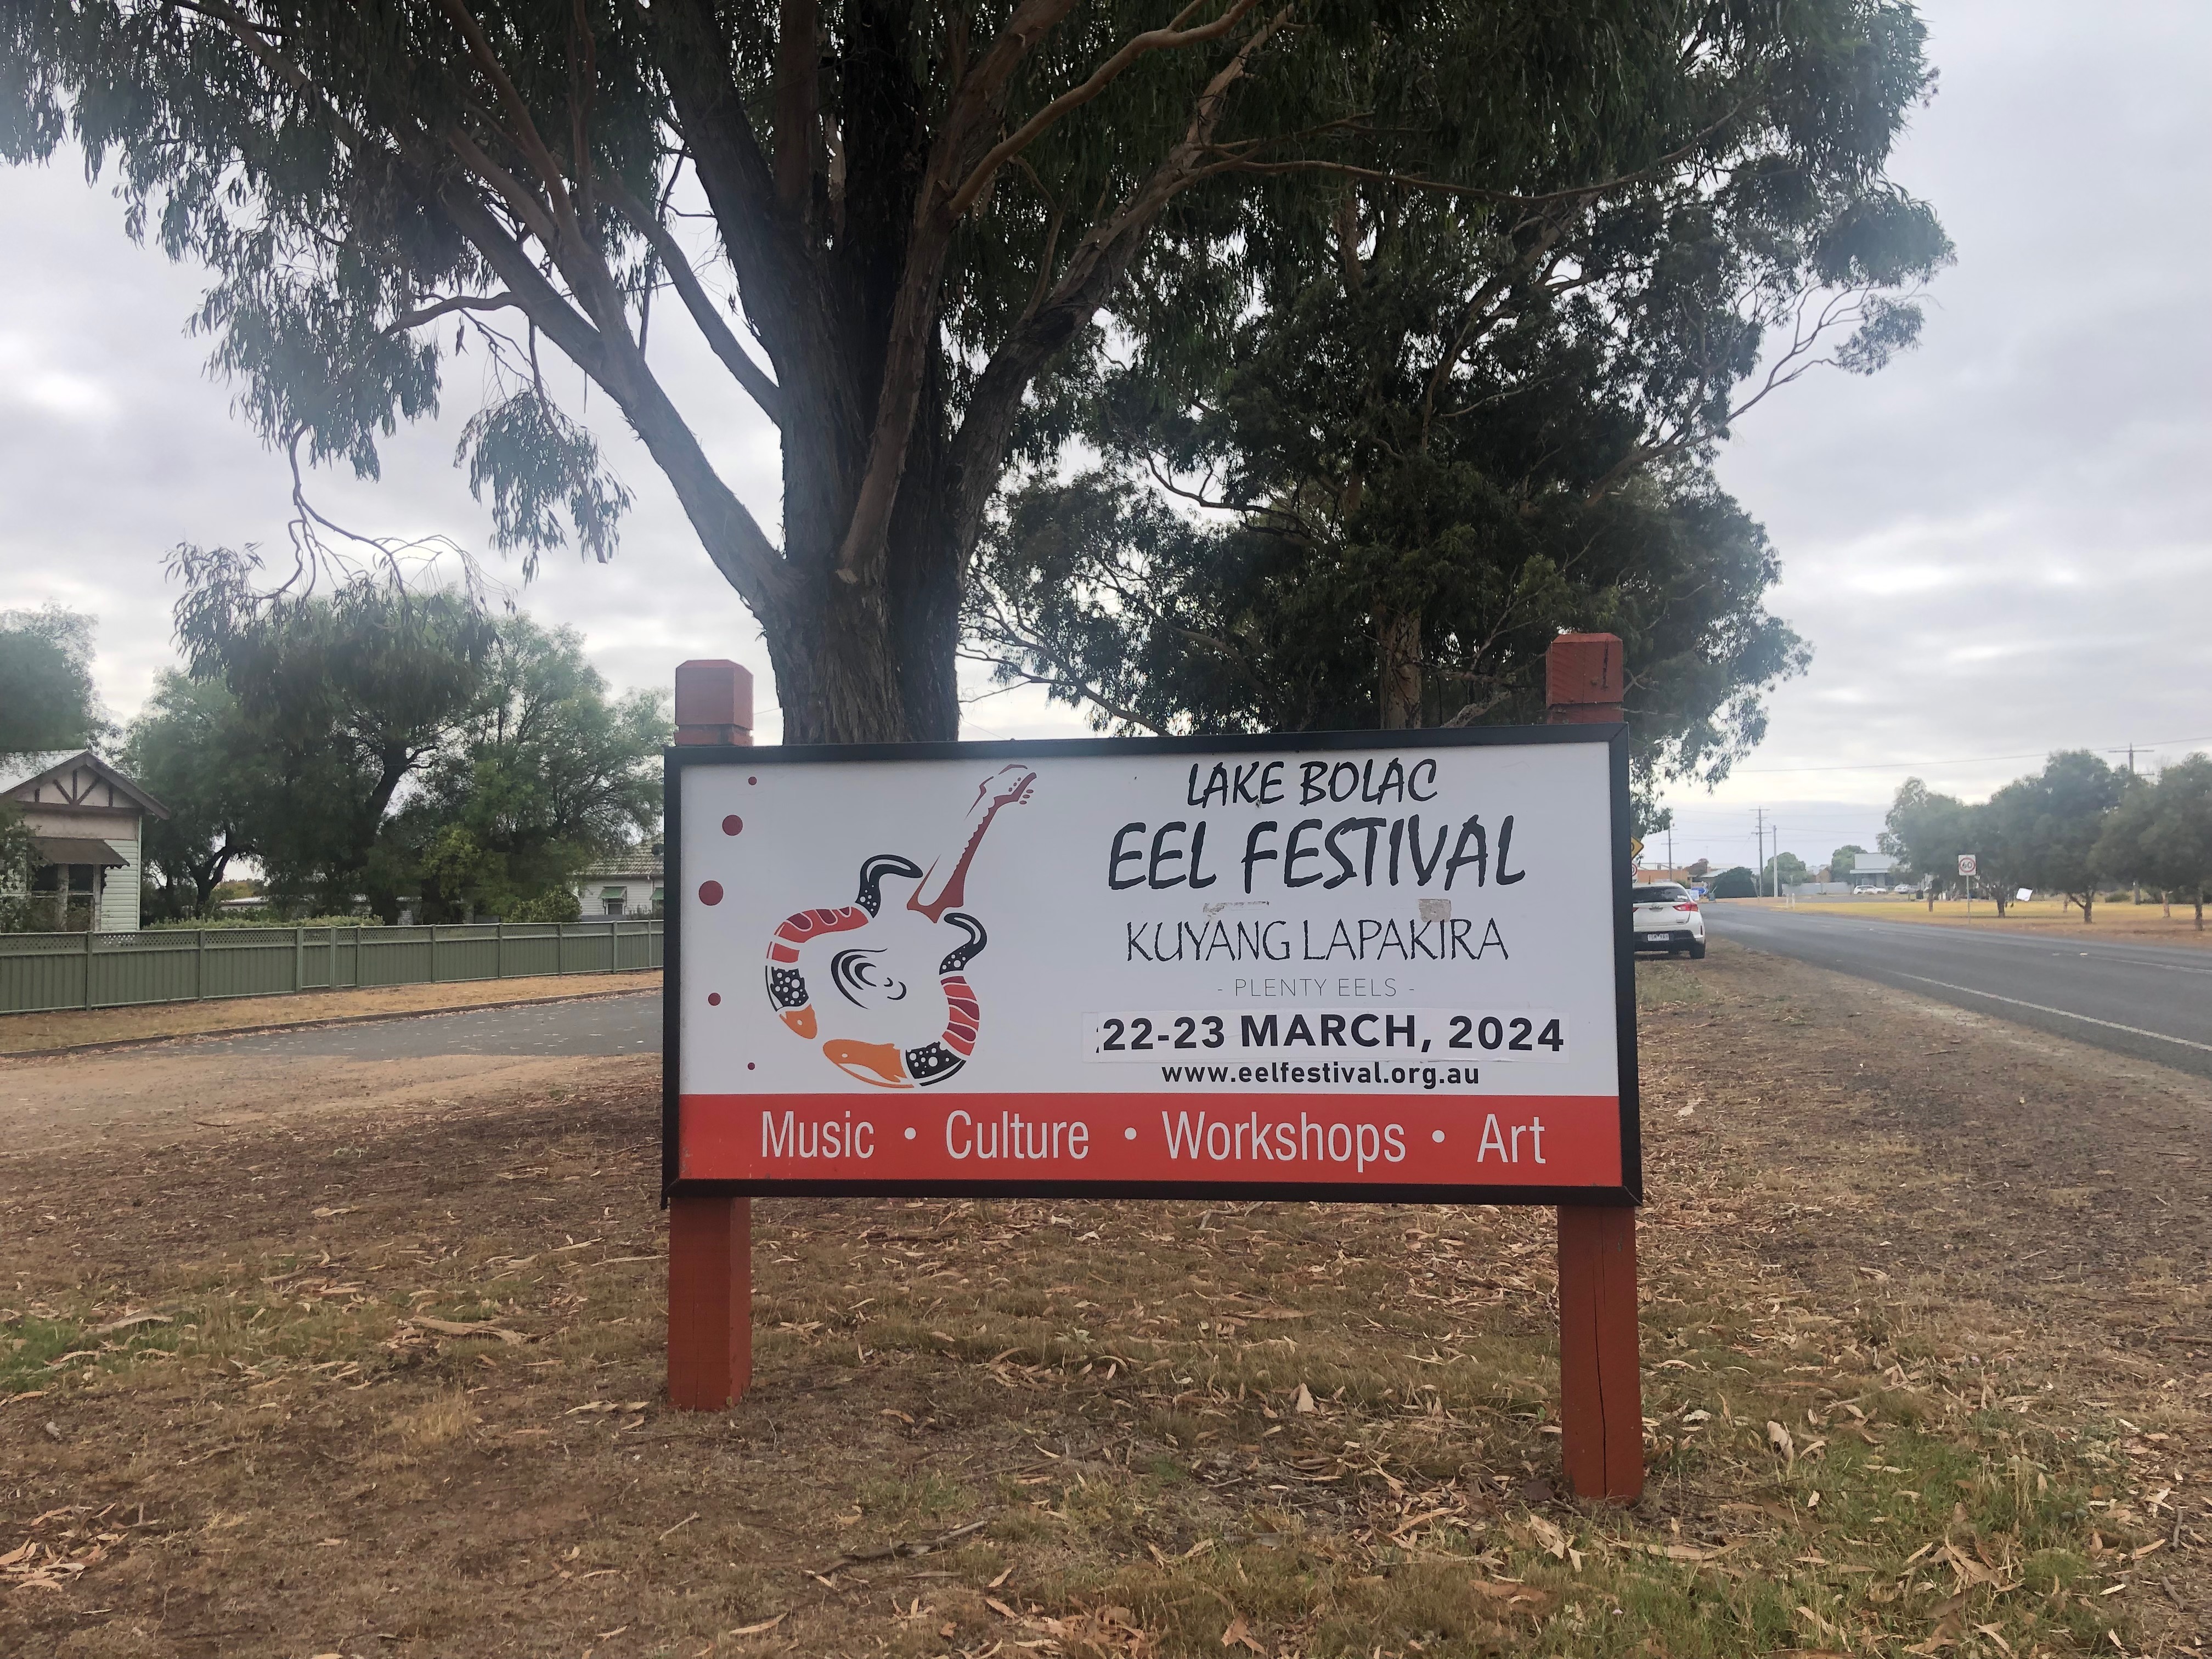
{"x":1399,"y":648}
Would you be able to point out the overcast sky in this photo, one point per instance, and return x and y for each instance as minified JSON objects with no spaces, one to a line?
{"x":2000,"y":545}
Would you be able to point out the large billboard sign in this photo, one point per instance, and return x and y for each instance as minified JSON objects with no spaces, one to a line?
{"x":1345,"y":965}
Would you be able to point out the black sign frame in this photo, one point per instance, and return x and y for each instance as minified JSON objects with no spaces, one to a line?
{"x":1613,"y":734}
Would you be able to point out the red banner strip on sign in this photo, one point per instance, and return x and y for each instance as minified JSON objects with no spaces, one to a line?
{"x":1531,"y":1140}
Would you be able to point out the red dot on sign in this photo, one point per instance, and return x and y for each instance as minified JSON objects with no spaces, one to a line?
{"x":714,"y":998}
{"x":752,"y":780}
{"x":710,"y":892}
{"x":731,"y":824}
{"x":748,"y":1066}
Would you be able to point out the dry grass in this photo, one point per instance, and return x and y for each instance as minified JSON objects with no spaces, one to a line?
{"x":21,"y":1034}
{"x":2139,"y":923}
{"x":407,"y":1400}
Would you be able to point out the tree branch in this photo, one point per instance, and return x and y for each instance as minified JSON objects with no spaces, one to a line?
{"x":407,"y":319}
{"x":912,"y":332}
{"x":1099,"y":79}
{"x":1096,"y":268}
{"x":526,"y":135}
{"x":704,"y":312}
{"x":777,"y":277}
{"x":728,"y":529}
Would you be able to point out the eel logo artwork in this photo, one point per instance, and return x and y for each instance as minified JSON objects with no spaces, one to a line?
{"x":896,"y":1010}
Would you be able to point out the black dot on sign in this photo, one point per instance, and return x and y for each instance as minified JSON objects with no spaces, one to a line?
{"x":731,"y":824}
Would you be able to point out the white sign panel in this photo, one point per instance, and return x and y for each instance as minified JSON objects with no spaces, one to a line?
{"x":1967,"y":864}
{"x":1133,"y":966}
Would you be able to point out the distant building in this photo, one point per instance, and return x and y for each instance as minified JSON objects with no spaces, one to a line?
{"x":627,"y":884}
{"x":1874,"y":870}
{"x":87,"y":819}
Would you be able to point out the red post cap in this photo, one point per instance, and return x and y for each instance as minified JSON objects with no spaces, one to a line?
{"x":1583,"y":678}
{"x":714,"y":702}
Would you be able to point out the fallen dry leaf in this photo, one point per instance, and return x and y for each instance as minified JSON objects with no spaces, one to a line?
{"x":467,"y":1327}
{"x":128,"y":1321}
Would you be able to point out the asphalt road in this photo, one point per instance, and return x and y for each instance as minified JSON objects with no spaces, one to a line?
{"x":594,"y":1025}
{"x":2150,"y":1001}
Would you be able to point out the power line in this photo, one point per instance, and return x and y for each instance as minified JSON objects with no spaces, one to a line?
{"x":1964,"y":760}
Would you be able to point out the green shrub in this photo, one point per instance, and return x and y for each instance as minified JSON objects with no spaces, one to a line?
{"x":558,"y":905}
{"x":225,"y":922}
{"x":1739,"y":883}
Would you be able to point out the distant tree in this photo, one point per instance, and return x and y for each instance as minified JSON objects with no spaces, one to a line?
{"x":2048,"y":824}
{"x":1737,"y":883}
{"x":1994,"y":832}
{"x":1843,"y":862}
{"x":1928,"y":831}
{"x":356,"y":690}
{"x":215,"y":768}
{"x":547,"y":771}
{"x":2161,"y":834}
{"x":47,"y":700}
{"x":1783,"y":870}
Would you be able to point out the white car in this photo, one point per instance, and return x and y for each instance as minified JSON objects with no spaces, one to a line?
{"x":1667,"y":918}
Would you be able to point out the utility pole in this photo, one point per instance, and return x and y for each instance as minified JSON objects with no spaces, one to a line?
{"x":1760,"y":859}
{"x":2135,"y":885}
{"x":1672,"y":874}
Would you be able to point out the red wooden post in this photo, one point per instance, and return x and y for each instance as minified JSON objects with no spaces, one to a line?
{"x":1601,"y":1378}
{"x":710,"y":1236}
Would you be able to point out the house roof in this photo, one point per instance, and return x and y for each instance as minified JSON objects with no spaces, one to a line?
{"x":25,"y":769}
{"x":639,"y":863}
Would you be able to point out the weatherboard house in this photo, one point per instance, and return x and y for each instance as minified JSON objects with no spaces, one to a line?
{"x":87,"y":819}
{"x":629,"y":884}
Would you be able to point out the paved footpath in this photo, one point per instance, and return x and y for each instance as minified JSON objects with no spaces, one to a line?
{"x":593,"y":1025}
{"x":183,"y":1084}
{"x":2151,"y":1001}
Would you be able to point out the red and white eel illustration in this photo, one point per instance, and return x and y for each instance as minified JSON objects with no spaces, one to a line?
{"x":884,"y":1027}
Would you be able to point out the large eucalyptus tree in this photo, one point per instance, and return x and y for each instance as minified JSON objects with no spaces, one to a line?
{"x":1429,"y":432}
{"x":886,"y":219}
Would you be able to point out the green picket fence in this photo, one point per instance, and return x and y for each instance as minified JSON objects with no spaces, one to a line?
{"x":44,"y":971}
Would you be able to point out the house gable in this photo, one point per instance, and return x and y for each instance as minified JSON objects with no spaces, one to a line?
{"x":81,"y":781}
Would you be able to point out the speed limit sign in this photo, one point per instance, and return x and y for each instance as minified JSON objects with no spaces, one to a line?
{"x":1967,"y":864}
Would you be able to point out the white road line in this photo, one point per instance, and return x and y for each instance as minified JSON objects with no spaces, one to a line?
{"x":2062,"y":1013}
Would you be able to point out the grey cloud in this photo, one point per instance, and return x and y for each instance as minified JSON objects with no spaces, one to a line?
{"x":1999,"y":544}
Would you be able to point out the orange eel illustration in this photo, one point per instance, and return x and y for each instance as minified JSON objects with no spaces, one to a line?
{"x":870,"y":955}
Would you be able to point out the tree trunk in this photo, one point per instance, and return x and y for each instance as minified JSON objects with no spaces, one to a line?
{"x":1397,"y":649}
{"x":870,"y":661}
{"x":2089,"y":901}
{"x":2200,"y":909}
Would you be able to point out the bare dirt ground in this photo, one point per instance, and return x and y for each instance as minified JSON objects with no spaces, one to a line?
{"x":2137,"y":924}
{"x":1927,"y":1345}
{"x":67,"y":1027}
